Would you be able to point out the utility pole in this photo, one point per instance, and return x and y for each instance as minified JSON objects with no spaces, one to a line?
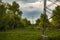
{"x":44,"y":37}
{"x":44,"y":26}
{"x":32,"y":19}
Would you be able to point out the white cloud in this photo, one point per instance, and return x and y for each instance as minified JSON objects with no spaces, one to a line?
{"x":31,"y":6}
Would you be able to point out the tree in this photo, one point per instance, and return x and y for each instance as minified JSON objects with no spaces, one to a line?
{"x":14,"y":8}
{"x":26,"y":22}
{"x":37,"y":21}
{"x":3,"y":10}
{"x":56,"y":17}
{"x":10,"y":16}
{"x":2,"y":13}
{"x":42,"y":21}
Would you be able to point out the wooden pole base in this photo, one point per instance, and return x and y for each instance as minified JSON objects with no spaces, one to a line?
{"x":44,"y":37}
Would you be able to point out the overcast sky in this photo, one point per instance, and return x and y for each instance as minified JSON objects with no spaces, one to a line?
{"x":31,"y":8}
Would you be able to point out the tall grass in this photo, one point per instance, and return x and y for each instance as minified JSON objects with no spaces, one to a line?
{"x":29,"y":34}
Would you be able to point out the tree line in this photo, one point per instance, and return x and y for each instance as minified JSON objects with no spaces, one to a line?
{"x":11,"y":18}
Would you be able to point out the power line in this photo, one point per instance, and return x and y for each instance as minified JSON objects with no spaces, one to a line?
{"x":52,"y":3}
{"x":48,"y":12}
{"x":49,"y":9}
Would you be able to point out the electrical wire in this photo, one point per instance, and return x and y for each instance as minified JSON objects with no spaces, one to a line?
{"x":52,"y":3}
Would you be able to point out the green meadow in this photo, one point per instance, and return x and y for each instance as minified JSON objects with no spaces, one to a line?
{"x":29,"y":34}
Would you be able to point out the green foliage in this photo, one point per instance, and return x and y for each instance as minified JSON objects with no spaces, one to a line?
{"x":3,"y":10}
{"x":37,"y":21}
{"x":40,"y":22}
{"x":10,"y":16}
{"x":26,"y":22}
{"x":0,"y":1}
{"x":56,"y":17}
{"x":30,"y":34}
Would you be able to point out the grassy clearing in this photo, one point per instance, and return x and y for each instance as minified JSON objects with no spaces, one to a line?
{"x":27,"y":34}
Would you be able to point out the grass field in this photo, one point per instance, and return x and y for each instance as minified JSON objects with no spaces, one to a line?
{"x":28,"y":34}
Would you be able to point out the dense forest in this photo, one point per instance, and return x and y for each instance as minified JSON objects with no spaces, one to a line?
{"x":11,"y":18}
